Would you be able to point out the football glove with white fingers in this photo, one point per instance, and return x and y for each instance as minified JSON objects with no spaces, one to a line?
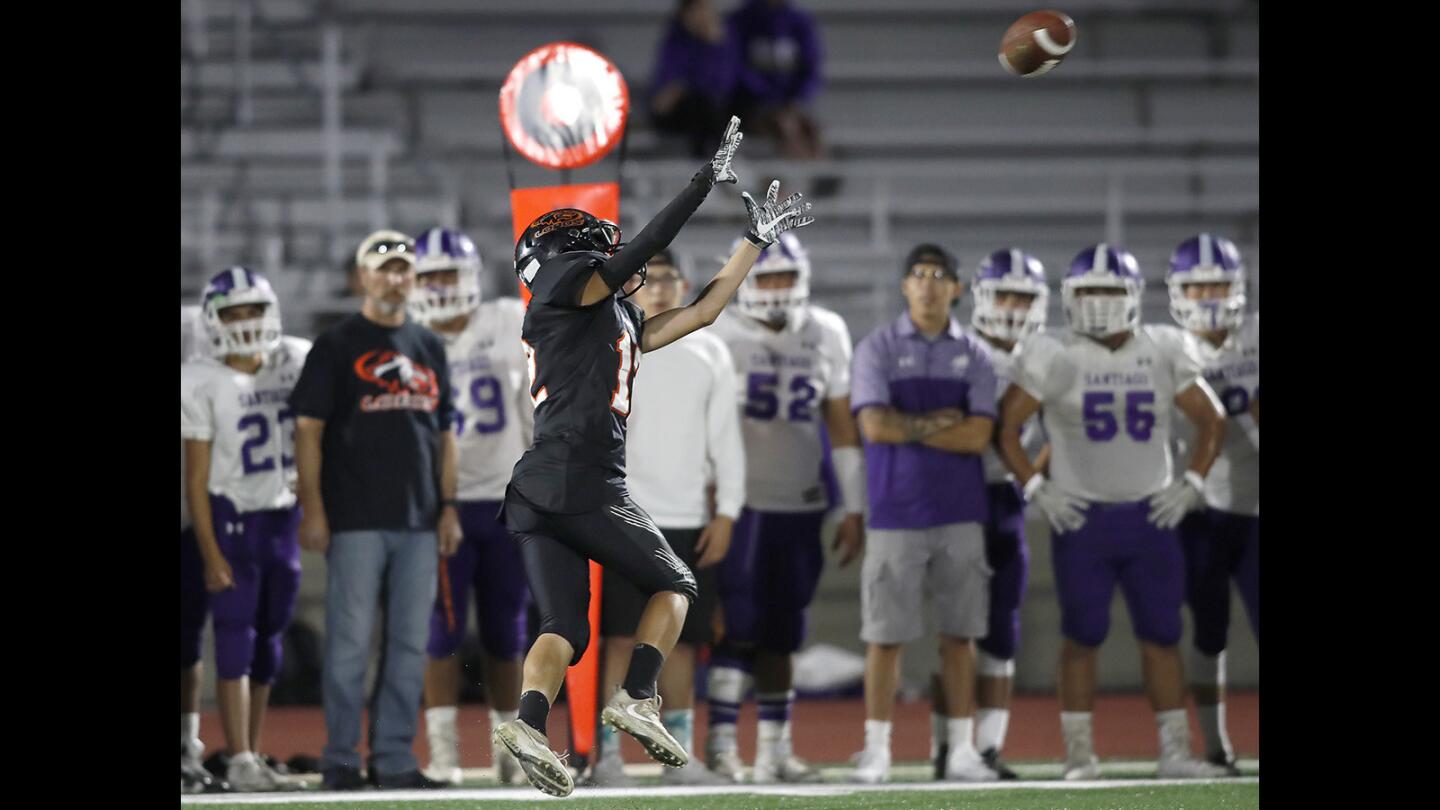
{"x":718,"y":169}
{"x":773,"y":218}
{"x":1065,"y":512}
{"x":1170,"y":505}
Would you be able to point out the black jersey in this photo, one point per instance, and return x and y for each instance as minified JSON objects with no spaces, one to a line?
{"x":582,"y":363}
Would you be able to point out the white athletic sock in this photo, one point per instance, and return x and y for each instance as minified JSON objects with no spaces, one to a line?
{"x":990,"y":726}
{"x":1079,"y":736}
{"x":443,"y":737}
{"x":1173,"y":726}
{"x":681,"y":725}
{"x":726,"y":688}
{"x":441,"y":720}
{"x":190,"y":729}
{"x":1212,"y":726}
{"x":938,"y":735}
{"x":877,"y":735}
{"x":960,"y":730}
{"x":772,"y":739}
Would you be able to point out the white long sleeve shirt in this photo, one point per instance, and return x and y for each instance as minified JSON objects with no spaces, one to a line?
{"x":684,"y":433}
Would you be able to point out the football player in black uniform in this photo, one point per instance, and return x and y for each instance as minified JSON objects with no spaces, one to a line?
{"x":567,"y":502}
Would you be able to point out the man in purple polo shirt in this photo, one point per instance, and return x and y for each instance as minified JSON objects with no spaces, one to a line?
{"x":924,"y":392}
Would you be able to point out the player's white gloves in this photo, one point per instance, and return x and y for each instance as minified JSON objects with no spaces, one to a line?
{"x":719,"y":170}
{"x":1170,"y":505}
{"x":773,"y":218}
{"x":1063,"y":511}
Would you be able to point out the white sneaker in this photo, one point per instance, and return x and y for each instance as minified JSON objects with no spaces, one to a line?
{"x":1188,"y":768}
{"x":542,"y":768}
{"x":609,"y":771}
{"x":787,"y":768}
{"x":252,"y":776}
{"x":693,"y":774}
{"x":871,"y":767}
{"x":728,"y":765}
{"x":1082,"y":771}
{"x":507,"y":768}
{"x":641,"y":720}
{"x":440,"y":773}
{"x":965,"y":765}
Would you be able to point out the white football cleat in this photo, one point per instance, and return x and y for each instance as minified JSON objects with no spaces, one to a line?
{"x":542,"y":767}
{"x":965,"y":765}
{"x":787,"y":768}
{"x":1082,"y":771}
{"x":872,"y":767}
{"x":641,"y":720}
{"x":728,"y":765}
{"x":1188,"y":768}
{"x":609,"y":771}
{"x":252,"y":777}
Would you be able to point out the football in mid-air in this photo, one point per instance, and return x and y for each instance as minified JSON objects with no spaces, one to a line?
{"x":1034,"y":44}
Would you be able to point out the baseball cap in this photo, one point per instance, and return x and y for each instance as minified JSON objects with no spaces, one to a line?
{"x":931,"y":253}
{"x":382,"y":246}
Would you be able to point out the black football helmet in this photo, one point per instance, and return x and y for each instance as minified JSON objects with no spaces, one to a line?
{"x":562,"y":231}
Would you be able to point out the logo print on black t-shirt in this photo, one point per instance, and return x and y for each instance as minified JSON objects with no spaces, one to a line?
{"x":408,"y":385}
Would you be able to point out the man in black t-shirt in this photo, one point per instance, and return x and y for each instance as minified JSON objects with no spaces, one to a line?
{"x":377,"y":473}
{"x":567,"y":502}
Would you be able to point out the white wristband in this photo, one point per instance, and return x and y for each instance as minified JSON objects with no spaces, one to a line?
{"x":1036,"y":481}
{"x":1196,"y":480}
{"x":849,"y":463}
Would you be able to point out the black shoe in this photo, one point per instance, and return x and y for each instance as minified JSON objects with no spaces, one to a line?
{"x":409,"y":780}
{"x":1228,"y":763}
{"x":342,"y":778}
{"x":302,"y":763}
{"x":940,"y":757}
{"x":992,"y":759}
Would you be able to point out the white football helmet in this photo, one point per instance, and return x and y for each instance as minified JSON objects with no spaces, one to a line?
{"x":777,"y":306}
{"x":440,"y":249}
{"x":232,"y":288}
{"x":1103,"y":266}
{"x":1206,"y":259}
{"x":1014,"y":271}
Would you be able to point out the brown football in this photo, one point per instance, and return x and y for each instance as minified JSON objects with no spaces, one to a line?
{"x":1034,"y":44}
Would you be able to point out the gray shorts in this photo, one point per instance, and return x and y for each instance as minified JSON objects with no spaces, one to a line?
{"x":949,"y":561}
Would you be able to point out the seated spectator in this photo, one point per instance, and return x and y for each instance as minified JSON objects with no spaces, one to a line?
{"x":778,"y":54}
{"x":694,"y":77}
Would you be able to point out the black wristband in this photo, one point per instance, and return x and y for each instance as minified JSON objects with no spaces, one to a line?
{"x":755,"y":240}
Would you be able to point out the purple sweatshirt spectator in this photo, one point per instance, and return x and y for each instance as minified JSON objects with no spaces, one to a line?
{"x":779,"y":52}
{"x":694,"y":77}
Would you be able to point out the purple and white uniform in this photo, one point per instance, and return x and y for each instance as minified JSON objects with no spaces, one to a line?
{"x":194,"y":600}
{"x":1222,"y":541}
{"x":494,"y":420}
{"x":1108,"y":416}
{"x":255,"y":516}
{"x":769,"y":575}
{"x":1005,"y":547}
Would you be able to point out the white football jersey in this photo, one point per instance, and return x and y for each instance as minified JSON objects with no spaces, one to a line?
{"x":190,"y":341}
{"x":1109,"y":415}
{"x":1233,"y":370}
{"x":494,"y":415}
{"x":784,"y":378}
{"x":247,"y":420}
{"x":1032,"y":438}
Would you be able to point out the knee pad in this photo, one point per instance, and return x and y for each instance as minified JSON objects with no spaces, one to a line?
{"x":989,"y":666}
{"x":265,"y":666}
{"x":234,"y":650}
{"x":575,"y":631}
{"x":1087,"y":633}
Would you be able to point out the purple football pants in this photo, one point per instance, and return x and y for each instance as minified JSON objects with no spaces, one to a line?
{"x":1220,"y":546}
{"x":488,"y":561}
{"x":769,"y":576}
{"x":1117,"y":545}
{"x":263,"y":551}
{"x":194,"y":601}
{"x":1009,"y":558}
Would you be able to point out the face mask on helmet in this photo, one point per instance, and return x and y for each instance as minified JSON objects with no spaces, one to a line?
{"x":1103,"y":267}
{"x":237,"y":287}
{"x":440,"y":250}
{"x":776,"y":305}
{"x":1010,"y":271}
{"x":1202,"y":260}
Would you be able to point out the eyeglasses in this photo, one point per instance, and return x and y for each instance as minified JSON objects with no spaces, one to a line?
{"x":931,"y":271}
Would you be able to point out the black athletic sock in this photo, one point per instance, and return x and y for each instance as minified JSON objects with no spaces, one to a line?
{"x":534,"y":709}
{"x":645,"y":665}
